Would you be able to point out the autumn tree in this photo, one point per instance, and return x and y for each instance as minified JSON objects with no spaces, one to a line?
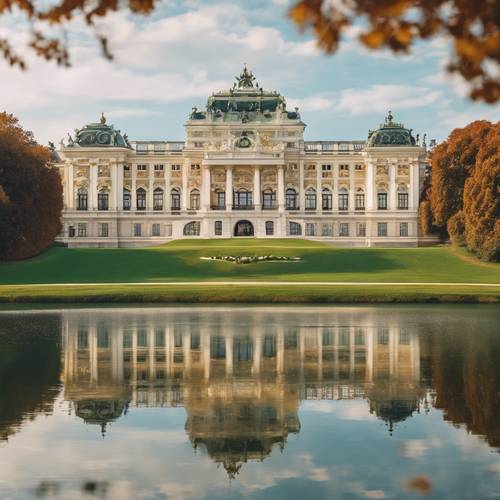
{"x":472,"y":27}
{"x":30,"y":193}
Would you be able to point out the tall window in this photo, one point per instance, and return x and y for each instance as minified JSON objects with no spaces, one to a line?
{"x":344,"y":229}
{"x":82,"y":230}
{"x":220,"y":199}
{"x":382,"y":200}
{"x":403,"y":200}
{"x":310,"y":229}
{"x":403,"y":229}
{"x":155,"y":230}
{"x":361,"y":229}
{"x":295,"y":229}
{"x":326,"y":199}
{"x":269,"y":199}
{"x":192,"y":229}
{"x":291,"y":202}
{"x":311,"y":199}
{"x":218,"y":228}
{"x":103,"y":200}
{"x":269,"y":228}
{"x":243,"y":199}
{"x":382,"y":229}
{"x":194,"y":200}
{"x":137,"y":229}
{"x":82,"y":200}
{"x":104,"y":230}
{"x":343,"y":199}
{"x":158,"y":199}
{"x":127,"y":199}
{"x":360,"y":200}
{"x":175,"y":198}
{"x":141,"y":199}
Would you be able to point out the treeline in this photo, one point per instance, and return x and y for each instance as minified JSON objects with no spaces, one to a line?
{"x":461,"y":198}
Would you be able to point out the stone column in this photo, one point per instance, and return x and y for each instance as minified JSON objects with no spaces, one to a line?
{"x":392,"y":187}
{"x":119,"y":187}
{"x":93,"y":187}
{"x":302,"y":195}
{"x":352,"y":188}
{"x":151,"y":180}
{"x":133,"y":194}
{"x":229,"y":355}
{"x":414,"y":189}
{"x":229,"y":188}
{"x":319,"y":199}
{"x":281,"y":188}
{"x":257,"y":354}
{"x":370,"y":186}
{"x":70,"y":195}
{"x":335,"y":194}
{"x":369,"y":354}
{"x":184,"y":194}
{"x":168,"y":177}
{"x":113,"y":167}
{"x":256,"y":188}
{"x":205,"y":188}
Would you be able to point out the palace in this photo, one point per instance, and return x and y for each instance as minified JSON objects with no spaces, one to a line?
{"x":244,"y":170}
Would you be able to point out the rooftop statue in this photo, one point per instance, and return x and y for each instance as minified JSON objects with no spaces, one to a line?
{"x":246,"y":79}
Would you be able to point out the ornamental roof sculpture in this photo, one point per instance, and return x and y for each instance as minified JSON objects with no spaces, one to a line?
{"x":98,"y":135}
{"x":390,"y":133}
{"x":245,"y":101}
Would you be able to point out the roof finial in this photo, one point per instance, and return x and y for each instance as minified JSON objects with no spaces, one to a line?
{"x":389,"y":118}
{"x":246,"y":78}
{"x":103,"y":118}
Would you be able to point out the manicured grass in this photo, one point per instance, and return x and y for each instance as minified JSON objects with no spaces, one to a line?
{"x":180,"y":261}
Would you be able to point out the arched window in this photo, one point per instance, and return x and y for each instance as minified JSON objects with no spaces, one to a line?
{"x":295,"y":229}
{"x":382,"y":199}
{"x":158,"y":199}
{"x":242,"y":199}
{"x":175,"y":199}
{"x":268,"y":199}
{"x":220,"y":200}
{"x":360,"y":199}
{"x":82,"y":198}
{"x":194,"y":200}
{"x":141,"y":199}
{"x":127,"y":199}
{"x":291,"y":199}
{"x":269,"y":228}
{"x":343,"y":199}
{"x":103,"y":199}
{"x":311,"y":199}
{"x":402,"y":198}
{"x":326,"y":199}
{"x":192,"y":229}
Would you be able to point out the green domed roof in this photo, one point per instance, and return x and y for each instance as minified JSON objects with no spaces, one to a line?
{"x":390,"y":133}
{"x":99,"y":135}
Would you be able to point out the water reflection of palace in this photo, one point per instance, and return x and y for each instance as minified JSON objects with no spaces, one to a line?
{"x":240,"y":380}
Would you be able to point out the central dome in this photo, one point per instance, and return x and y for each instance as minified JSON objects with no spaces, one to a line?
{"x":390,"y":133}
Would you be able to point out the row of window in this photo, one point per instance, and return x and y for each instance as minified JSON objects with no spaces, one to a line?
{"x":242,"y":199}
{"x":344,"y":229}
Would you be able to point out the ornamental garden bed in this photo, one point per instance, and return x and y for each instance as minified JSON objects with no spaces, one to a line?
{"x":250,"y":259}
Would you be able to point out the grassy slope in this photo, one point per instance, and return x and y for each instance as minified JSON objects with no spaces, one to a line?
{"x":179,"y":261}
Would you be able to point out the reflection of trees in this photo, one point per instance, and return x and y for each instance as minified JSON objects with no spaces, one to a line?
{"x":466,"y":377}
{"x":30,"y":361}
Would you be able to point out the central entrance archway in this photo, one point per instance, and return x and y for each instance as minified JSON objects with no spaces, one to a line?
{"x":243,"y":228}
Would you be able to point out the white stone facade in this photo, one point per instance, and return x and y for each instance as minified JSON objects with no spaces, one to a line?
{"x":244,"y":170}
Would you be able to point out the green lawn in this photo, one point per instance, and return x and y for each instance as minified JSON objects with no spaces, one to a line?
{"x":180,"y":261}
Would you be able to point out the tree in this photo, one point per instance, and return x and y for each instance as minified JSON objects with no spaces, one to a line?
{"x":481,"y":212}
{"x":30,"y":193}
{"x":473,"y":26}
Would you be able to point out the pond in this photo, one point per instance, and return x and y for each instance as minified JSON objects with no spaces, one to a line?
{"x":250,"y":402}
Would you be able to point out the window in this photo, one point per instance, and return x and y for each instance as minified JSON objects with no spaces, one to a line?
{"x":195,"y":341}
{"x":195,"y":167}
{"x":141,"y":148}
{"x":269,"y":346}
{"x":220,"y":200}
{"x":142,"y":168}
{"x":403,"y":201}
{"x":326,"y":199}
{"x":82,"y":230}
{"x":218,"y":347}
{"x":104,"y":230}
{"x":175,"y":198}
{"x":326,"y":168}
{"x":344,"y":170}
{"x":137,"y":229}
{"x":102,"y":200}
{"x":361,"y":229}
{"x":192,"y":229}
{"x":344,"y":229}
{"x":83,"y":339}
{"x":343,"y":199}
{"x":82,"y":200}
{"x":269,"y":228}
{"x":127,"y":199}
{"x":383,"y":336}
{"x":382,"y":200}
{"x":359,"y":201}
{"x":359,"y":167}
{"x":176,"y":168}
{"x":269,"y":199}
{"x":343,"y":146}
{"x":141,"y":199}
{"x":311,"y":199}
{"x":102,"y":338}
{"x":155,"y":230}
{"x":243,"y":199}
{"x":310,"y":229}
{"x":326,"y":229}
{"x":159,"y":167}
{"x":194,"y":200}
{"x":382,"y":229}
{"x":291,"y":199}
{"x":158,"y":199}
{"x":159,"y":337}
{"x":295,"y":229}
{"x":403,"y":229}
{"x":159,"y":148}
{"x":218,"y":228}
{"x":126,"y":168}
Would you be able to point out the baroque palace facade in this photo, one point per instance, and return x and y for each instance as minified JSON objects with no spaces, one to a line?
{"x":244,"y":170}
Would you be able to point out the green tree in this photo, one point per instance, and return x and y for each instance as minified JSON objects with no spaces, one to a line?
{"x":30,"y":193}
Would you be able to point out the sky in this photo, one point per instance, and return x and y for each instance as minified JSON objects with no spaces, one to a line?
{"x":173,"y":60}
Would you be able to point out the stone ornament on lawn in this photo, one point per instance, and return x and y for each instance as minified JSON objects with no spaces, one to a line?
{"x":250,"y":259}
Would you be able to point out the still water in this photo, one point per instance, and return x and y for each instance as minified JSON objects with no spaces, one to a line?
{"x":235,"y":402}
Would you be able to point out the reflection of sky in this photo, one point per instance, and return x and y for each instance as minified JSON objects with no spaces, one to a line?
{"x":341,"y":451}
